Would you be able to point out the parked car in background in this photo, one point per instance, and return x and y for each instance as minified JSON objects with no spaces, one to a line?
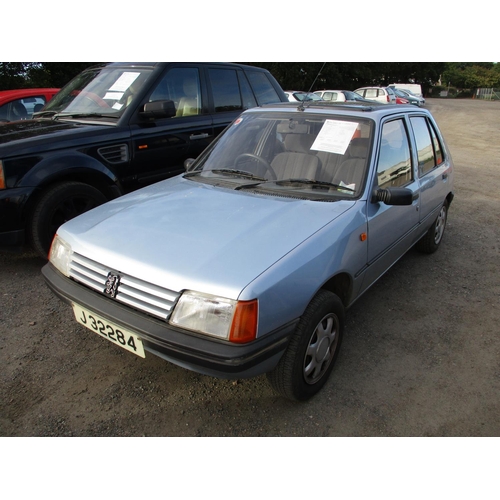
{"x":247,"y":263}
{"x":299,"y":96}
{"x":412,"y":98}
{"x":401,"y":100}
{"x":415,"y":88}
{"x":381,"y":94}
{"x":341,"y":96}
{"x":20,"y":104}
{"x":111,"y":130}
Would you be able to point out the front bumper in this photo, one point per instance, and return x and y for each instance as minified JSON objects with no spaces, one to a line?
{"x":187,"y":349}
{"x":12,"y":205}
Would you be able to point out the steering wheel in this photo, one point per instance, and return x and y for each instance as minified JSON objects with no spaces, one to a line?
{"x":260,"y":160}
{"x":94,"y":98}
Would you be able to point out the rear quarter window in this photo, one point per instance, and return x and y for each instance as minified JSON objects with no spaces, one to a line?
{"x":262,"y":87}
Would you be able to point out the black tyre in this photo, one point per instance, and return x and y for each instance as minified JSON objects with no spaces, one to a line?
{"x":432,"y":239}
{"x":57,"y":205}
{"x":312,"y":351}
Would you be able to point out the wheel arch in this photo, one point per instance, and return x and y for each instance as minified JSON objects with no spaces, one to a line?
{"x":341,"y":285}
{"x":62,"y":168}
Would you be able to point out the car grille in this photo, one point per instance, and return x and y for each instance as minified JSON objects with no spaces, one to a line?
{"x":136,"y":293}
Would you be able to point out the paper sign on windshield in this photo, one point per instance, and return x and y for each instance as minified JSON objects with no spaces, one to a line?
{"x":124,"y":82}
{"x":334,"y":136}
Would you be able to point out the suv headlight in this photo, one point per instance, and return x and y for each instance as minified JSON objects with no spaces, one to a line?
{"x":60,"y":255}
{"x":226,"y":319}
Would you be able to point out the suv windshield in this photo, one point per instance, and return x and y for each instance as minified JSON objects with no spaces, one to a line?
{"x":99,"y":91}
{"x":319,"y":156}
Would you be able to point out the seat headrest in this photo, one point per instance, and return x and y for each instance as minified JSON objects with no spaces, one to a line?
{"x":358,"y":148}
{"x":299,"y":143}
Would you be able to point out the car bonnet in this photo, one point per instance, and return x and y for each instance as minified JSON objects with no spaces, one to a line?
{"x":182,"y":234}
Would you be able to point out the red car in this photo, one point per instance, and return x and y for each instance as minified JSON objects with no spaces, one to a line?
{"x":400,"y":100}
{"x":21,"y":104}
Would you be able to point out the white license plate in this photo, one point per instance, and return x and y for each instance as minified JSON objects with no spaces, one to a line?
{"x":114,"y":333}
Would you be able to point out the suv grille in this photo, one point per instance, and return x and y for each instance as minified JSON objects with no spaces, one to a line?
{"x":141,"y":295}
{"x":114,"y":154}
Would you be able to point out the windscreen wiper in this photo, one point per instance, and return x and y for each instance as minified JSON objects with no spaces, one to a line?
{"x":315,"y":183}
{"x":82,"y":115}
{"x":240,"y":173}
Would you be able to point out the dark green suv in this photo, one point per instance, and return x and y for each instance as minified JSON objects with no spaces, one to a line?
{"x":111,"y":130}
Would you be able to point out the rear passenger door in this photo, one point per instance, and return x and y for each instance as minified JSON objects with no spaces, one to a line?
{"x":392,"y":229}
{"x":432,"y":167}
{"x":230,"y":93}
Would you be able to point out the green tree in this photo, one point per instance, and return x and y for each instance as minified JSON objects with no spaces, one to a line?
{"x":38,"y":74}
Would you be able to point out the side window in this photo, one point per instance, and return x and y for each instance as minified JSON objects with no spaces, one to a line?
{"x":14,"y":110}
{"x":370,"y":93}
{"x":262,"y":87}
{"x":394,"y":163}
{"x":246,"y":92}
{"x":425,"y":144}
{"x":181,"y":85}
{"x":225,"y":90}
{"x":438,"y":150}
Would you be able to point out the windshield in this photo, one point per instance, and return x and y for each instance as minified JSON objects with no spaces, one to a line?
{"x":321,"y":156}
{"x":307,"y":96}
{"x":99,"y":91}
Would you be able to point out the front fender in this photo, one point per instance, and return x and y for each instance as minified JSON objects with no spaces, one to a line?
{"x":69,"y":164}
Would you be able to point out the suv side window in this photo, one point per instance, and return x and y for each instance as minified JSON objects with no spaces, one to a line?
{"x":225,"y":90}
{"x":394,"y":163}
{"x":262,"y":87}
{"x":370,"y":93}
{"x":429,"y":149}
{"x":181,"y":85}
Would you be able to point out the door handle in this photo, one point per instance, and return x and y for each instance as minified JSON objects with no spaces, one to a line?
{"x":199,"y":136}
{"x":445,"y":176}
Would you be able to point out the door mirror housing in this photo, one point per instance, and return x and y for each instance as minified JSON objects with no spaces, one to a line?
{"x":394,"y":196}
{"x":158,"y":109}
{"x":188,"y":163}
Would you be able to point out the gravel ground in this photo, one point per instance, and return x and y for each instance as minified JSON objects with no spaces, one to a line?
{"x":421,"y":354}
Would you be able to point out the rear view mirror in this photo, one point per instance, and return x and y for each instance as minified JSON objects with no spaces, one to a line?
{"x":158,"y":109}
{"x":394,"y":196}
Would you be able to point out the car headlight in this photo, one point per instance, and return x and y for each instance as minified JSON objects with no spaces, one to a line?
{"x":226,"y":319}
{"x":60,"y":255}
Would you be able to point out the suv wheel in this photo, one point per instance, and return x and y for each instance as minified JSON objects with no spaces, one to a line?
{"x":57,"y":205}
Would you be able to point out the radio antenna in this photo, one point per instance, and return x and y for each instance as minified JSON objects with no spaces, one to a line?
{"x":319,"y":73}
{"x":302,"y":105}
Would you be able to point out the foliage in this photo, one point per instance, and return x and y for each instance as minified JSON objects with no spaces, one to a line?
{"x":471,"y":75}
{"x":35,"y":74}
{"x":352,"y":75}
{"x":294,"y":75}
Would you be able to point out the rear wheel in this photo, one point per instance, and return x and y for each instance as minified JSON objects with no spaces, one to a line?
{"x":432,"y":239}
{"x":311,"y":353}
{"x":57,"y":205}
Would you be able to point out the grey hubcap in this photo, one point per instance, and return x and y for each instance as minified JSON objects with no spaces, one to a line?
{"x":321,"y":348}
{"x":440,"y":225}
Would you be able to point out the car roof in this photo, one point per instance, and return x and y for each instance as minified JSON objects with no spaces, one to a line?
{"x":374,"y":109}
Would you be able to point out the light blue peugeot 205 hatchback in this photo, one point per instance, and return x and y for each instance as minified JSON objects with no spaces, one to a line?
{"x":246,"y":263}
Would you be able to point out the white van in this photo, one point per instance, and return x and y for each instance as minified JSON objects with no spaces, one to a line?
{"x":414,"y":88}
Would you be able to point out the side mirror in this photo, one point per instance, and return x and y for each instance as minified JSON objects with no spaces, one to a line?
{"x":394,"y":196}
{"x":158,"y":109}
{"x":188,"y":163}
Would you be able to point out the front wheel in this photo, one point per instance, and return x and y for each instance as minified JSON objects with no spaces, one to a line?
{"x":311,"y":353}
{"x":57,"y":205}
